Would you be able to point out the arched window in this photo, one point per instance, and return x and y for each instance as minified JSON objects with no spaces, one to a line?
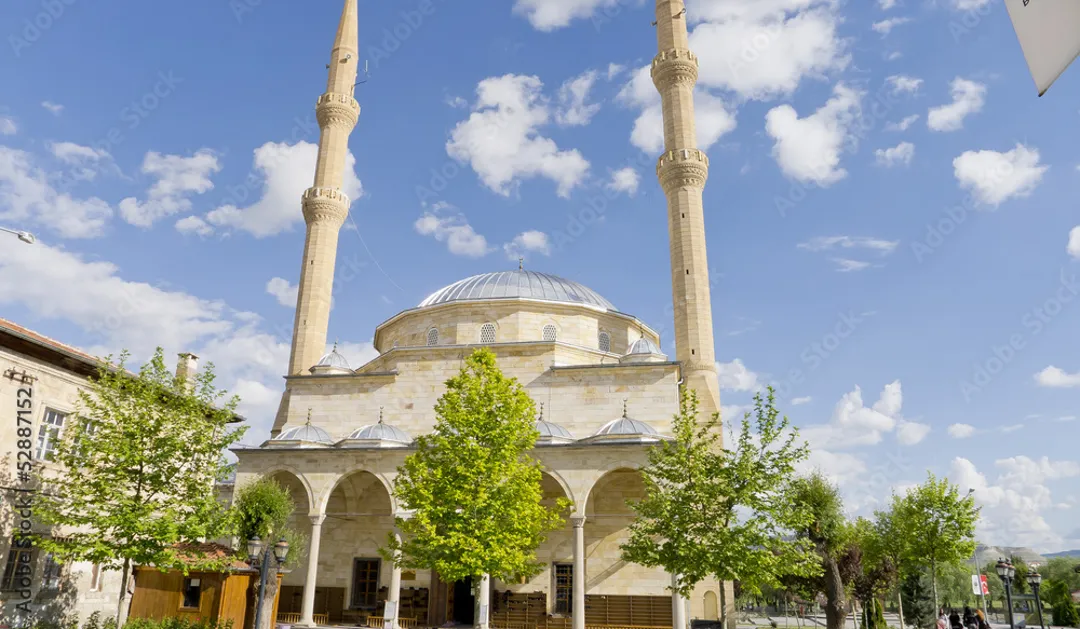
{"x":710,"y":605}
{"x":550,"y":333}
{"x":487,"y":333}
{"x":433,"y":336}
{"x":605,"y":342}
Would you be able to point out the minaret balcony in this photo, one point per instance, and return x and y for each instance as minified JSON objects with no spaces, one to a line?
{"x":672,"y":67}
{"x":331,"y":194}
{"x":325,"y":205}
{"x":683,"y":167}
{"x":337,"y":110}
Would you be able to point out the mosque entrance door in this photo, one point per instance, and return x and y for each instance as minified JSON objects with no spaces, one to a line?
{"x":464,"y":602}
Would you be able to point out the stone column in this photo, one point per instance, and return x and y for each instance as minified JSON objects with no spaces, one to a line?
{"x":678,"y":615}
{"x":578,"y":582}
{"x":392,"y":611}
{"x":307,"y":608}
{"x":483,"y":603}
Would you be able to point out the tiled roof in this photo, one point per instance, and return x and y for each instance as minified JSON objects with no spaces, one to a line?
{"x":44,"y":341}
{"x":212,"y":550}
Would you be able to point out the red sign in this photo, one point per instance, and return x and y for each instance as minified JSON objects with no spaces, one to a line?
{"x":985,"y":587}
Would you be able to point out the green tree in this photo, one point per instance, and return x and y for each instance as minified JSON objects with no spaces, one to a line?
{"x":936,"y":524}
{"x":473,"y":490}
{"x":889,"y":544}
{"x":915,"y":591}
{"x":262,"y":508}
{"x":138,"y":469}
{"x":711,"y":511}
{"x":876,"y":570}
{"x":827,"y":532}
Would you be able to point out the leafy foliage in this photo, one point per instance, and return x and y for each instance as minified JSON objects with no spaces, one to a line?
{"x":1065,"y":614}
{"x":725,"y":513}
{"x":915,"y":592}
{"x":137,"y":469}
{"x":827,"y":531}
{"x":263,"y":508}
{"x":474,"y":493}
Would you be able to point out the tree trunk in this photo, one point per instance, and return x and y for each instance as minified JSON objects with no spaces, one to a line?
{"x":267,"y":619}
{"x":723,"y":604}
{"x":835,"y":613}
{"x":933,"y":581}
{"x":122,"y":609}
{"x":900,"y":606}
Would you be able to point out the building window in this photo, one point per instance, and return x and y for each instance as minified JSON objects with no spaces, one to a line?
{"x":365,"y":585}
{"x":487,"y":333}
{"x":52,"y":426}
{"x":19,"y":568}
{"x":50,"y":576}
{"x":549,"y":333}
{"x":605,"y":342}
{"x":96,"y":578}
{"x":88,"y":428}
{"x":564,"y":588}
{"x":192,"y":593}
{"x":433,"y":337}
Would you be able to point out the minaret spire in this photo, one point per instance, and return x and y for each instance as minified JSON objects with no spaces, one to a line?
{"x":682,"y":171}
{"x":325,"y":205}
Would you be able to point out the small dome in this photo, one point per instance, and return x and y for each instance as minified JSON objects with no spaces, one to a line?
{"x":627,"y":427}
{"x":552,"y":431}
{"x":307,"y":432}
{"x":334,"y":360}
{"x":643,"y":346}
{"x":380,"y":432}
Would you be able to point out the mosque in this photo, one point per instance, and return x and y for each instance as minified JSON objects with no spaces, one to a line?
{"x":605,"y":390}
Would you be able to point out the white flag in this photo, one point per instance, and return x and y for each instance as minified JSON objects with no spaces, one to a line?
{"x":1049,"y":34}
{"x":976,"y":585}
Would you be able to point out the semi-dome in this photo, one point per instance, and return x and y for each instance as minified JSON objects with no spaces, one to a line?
{"x":644,"y":346}
{"x":518,"y":284}
{"x":334,"y":360}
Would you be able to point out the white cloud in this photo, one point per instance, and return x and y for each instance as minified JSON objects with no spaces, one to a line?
{"x":1073,"y":248}
{"x":1057,"y":378}
{"x":531,"y":241}
{"x":455,"y":231}
{"x":902,"y":153}
{"x":828,"y":243}
{"x":968,"y":98}
{"x":885,"y":5}
{"x":808,"y":149}
{"x":193,"y":225}
{"x":574,"y":110}
{"x":284,"y":172}
{"x":1012,"y":428}
{"x":994,"y":177}
{"x":614,"y":70}
{"x":502,"y":142}
{"x":911,"y":433}
{"x":53,"y":108}
{"x":177,"y":178}
{"x":550,"y":15}
{"x":283,"y":291}
{"x":457,"y":102}
{"x":28,"y":198}
{"x":903,"y":125}
{"x":625,"y":180}
{"x":1012,"y":508}
{"x":969,"y":5}
{"x":884,"y":27}
{"x":8,"y":126}
{"x":799,"y":401}
{"x":734,"y":376}
{"x":961,"y":431}
{"x":712,"y":117}
{"x":763,"y":50}
{"x":854,"y":424}
{"x":904,"y":84}
{"x":847,"y":265}
{"x":71,"y":153}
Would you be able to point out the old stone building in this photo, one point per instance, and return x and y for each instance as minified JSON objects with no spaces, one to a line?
{"x":608,"y":394}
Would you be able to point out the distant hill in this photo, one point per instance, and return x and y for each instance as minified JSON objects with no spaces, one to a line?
{"x":1064,"y":553}
{"x":986,"y":554}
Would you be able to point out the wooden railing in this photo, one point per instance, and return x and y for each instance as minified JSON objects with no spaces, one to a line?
{"x":532,"y":625}
{"x":292,"y":619}
{"x":376,"y":622}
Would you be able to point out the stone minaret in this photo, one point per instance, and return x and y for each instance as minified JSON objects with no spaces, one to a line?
{"x":682,"y":171}
{"x":325,"y":205}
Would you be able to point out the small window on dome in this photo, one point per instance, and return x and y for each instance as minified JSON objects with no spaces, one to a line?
{"x":433,"y":336}
{"x":605,"y":342}
{"x":550,"y":333}
{"x":487,"y":333}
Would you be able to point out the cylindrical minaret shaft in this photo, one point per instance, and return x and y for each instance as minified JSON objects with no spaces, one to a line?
{"x":325,"y":205}
{"x":682,"y":171}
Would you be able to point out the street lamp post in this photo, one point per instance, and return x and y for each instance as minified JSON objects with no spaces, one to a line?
{"x":1006,"y":571}
{"x":264,"y":559}
{"x":26,"y":237}
{"x":1034,"y":579}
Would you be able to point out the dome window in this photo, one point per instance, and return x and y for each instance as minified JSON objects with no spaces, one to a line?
{"x":487,"y":333}
{"x":433,"y":336}
{"x":605,"y":342}
{"x":550,"y":334}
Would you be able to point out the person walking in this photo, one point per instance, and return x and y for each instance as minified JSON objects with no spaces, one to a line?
{"x":980,"y":618}
{"x":954,"y":620}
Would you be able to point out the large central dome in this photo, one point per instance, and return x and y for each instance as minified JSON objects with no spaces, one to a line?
{"x":518,"y":285}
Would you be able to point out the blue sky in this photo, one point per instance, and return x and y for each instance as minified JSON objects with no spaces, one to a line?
{"x":158,"y":153}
